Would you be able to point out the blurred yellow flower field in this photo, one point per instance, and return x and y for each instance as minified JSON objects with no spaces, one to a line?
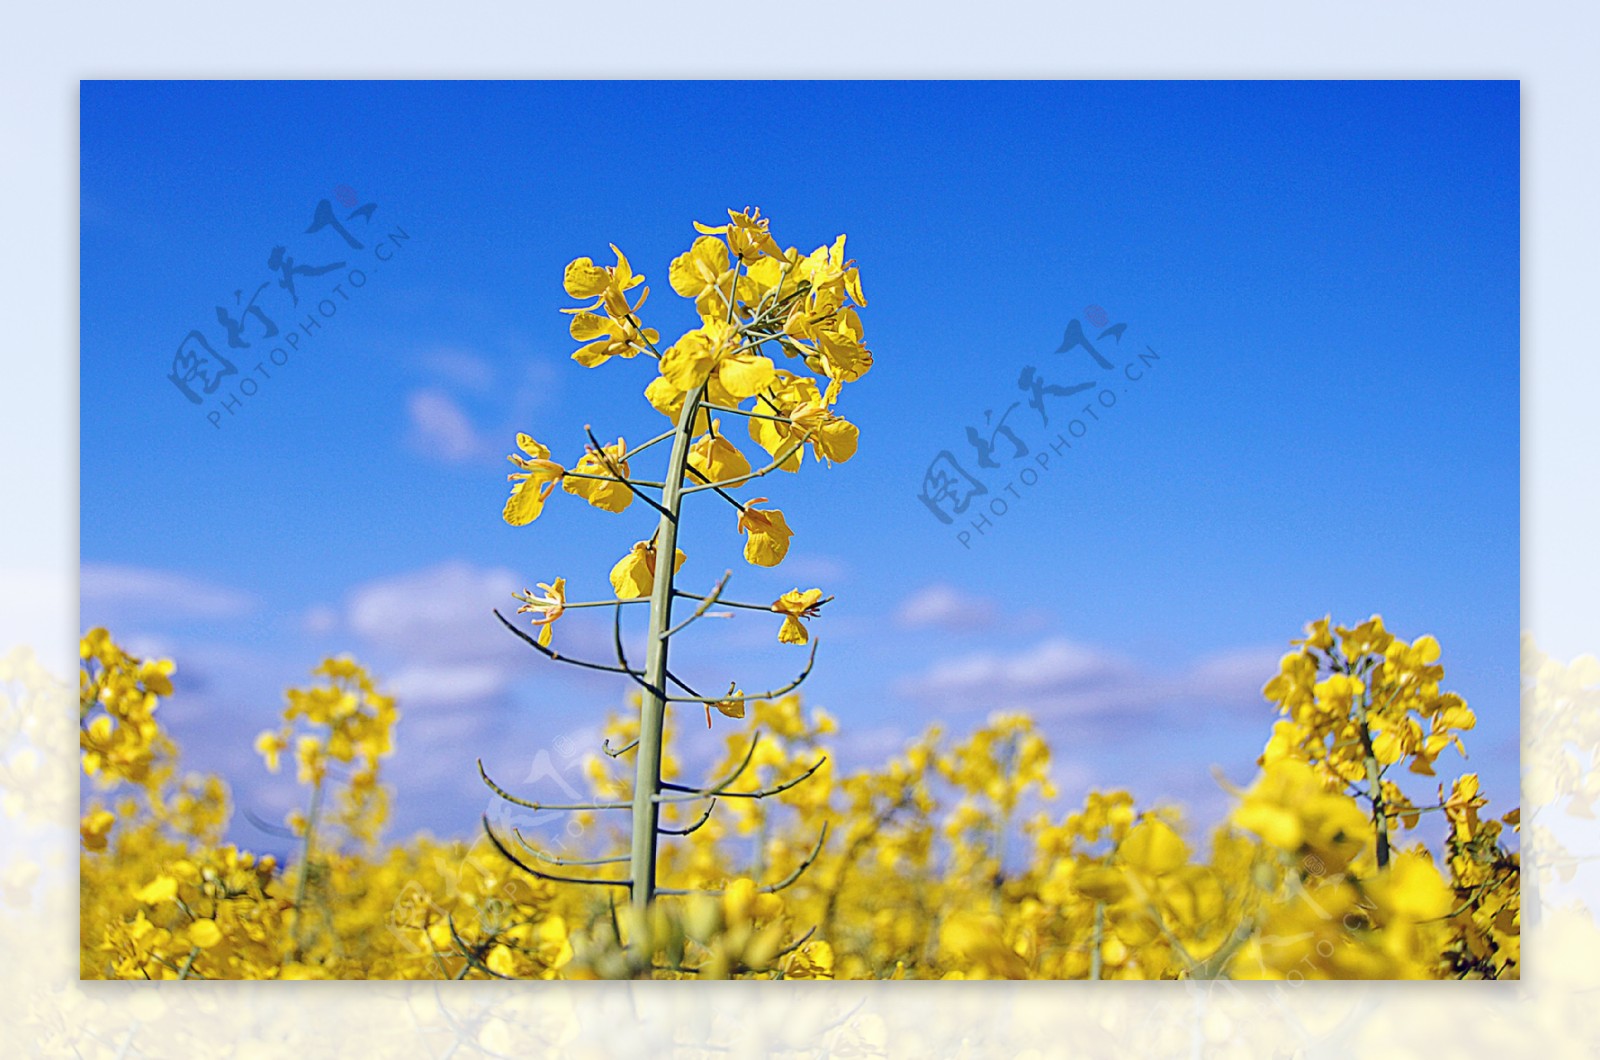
{"x":915,"y":881}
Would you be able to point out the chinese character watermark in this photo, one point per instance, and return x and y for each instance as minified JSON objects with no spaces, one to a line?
{"x":1012,"y":446}
{"x":214,"y":371}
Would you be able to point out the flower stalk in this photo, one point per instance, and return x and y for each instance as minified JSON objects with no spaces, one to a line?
{"x":752,"y":297}
{"x":653,"y":704}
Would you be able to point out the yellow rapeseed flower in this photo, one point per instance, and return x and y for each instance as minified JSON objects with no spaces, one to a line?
{"x":538,"y":477}
{"x":605,"y":492}
{"x":748,"y":234}
{"x":717,"y":459}
{"x":793,"y":606}
{"x":635,"y":573}
{"x":769,"y":534}
{"x":547,"y":607}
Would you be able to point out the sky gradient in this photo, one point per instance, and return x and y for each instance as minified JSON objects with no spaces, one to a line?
{"x":1329,"y":273}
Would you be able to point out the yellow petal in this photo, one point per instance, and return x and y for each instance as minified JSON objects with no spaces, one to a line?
{"x":688,"y":362}
{"x":1386,"y":748}
{"x":584,"y":279}
{"x":769,"y":535}
{"x":160,"y":889}
{"x":776,"y":438}
{"x":836,"y":440}
{"x":525,"y":503}
{"x":593,"y":355}
{"x":205,"y":933}
{"x":703,"y":264}
{"x":586,"y":326}
{"x":632,"y":578}
{"x":718,"y":459}
{"x":745,"y":374}
{"x":664,"y":397}
{"x":1100,"y":882}
{"x":501,"y":962}
{"x":603,"y":493}
{"x":1154,"y":847}
{"x":624,"y":271}
{"x":852,"y":284}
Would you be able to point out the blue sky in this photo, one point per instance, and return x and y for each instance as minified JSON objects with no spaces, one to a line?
{"x":1329,"y":273}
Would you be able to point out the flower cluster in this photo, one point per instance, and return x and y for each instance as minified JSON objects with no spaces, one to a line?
{"x":344,"y":720}
{"x":117,"y":700}
{"x":779,"y":336}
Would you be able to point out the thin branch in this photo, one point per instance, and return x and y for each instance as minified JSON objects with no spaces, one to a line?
{"x":674,"y":679}
{"x":796,"y":944}
{"x":188,"y":965}
{"x":605,"y":745}
{"x":569,"y":605}
{"x":268,"y":827}
{"x":704,"y":817}
{"x":742,"y":479}
{"x":743,"y":412}
{"x":633,"y":487}
{"x":564,"y":862}
{"x":530,"y":870}
{"x":748,"y":607}
{"x":638,"y":326}
{"x":738,"y":771}
{"x":531,"y":805}
{"x":732,"y":297}
{"x":622,"y":656}
{"x":771,"y":888}
{"x":603,"y":667}
{"x":467,"y":950}
{"x":775,"y":296}
{"x":743,"y":698}
{"x":556,"y":656}
{"x":629,"y":482}
{"x":764,"y":793}
{"x":642,"y":446}
{"x":506,"y":795}
{"x":705,"y":605}
{"x":638,"y":677}
{"x":724,"y":494}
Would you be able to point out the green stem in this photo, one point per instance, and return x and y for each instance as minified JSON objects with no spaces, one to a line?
{"x":1380,"y":813}
{"x":758,"y":864}
{"x":305,"y":869}
{"x":653,"y":705}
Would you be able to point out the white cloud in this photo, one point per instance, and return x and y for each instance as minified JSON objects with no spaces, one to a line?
{"x":1057,"y":677}
{"x":440,"y":613}
{"x":815,"y":567}
{"x":860,"y":746}
{"x":1054,"y":676}
{"x":146,"y":591}
{"x":1234,"y":676}
{"x":946,"y":607}
{"x":439,"y":623}
{"x":320,"y":619}
{"x":441,"y":429}
{"x":460,"y":367}
{"x":436,"y":684}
